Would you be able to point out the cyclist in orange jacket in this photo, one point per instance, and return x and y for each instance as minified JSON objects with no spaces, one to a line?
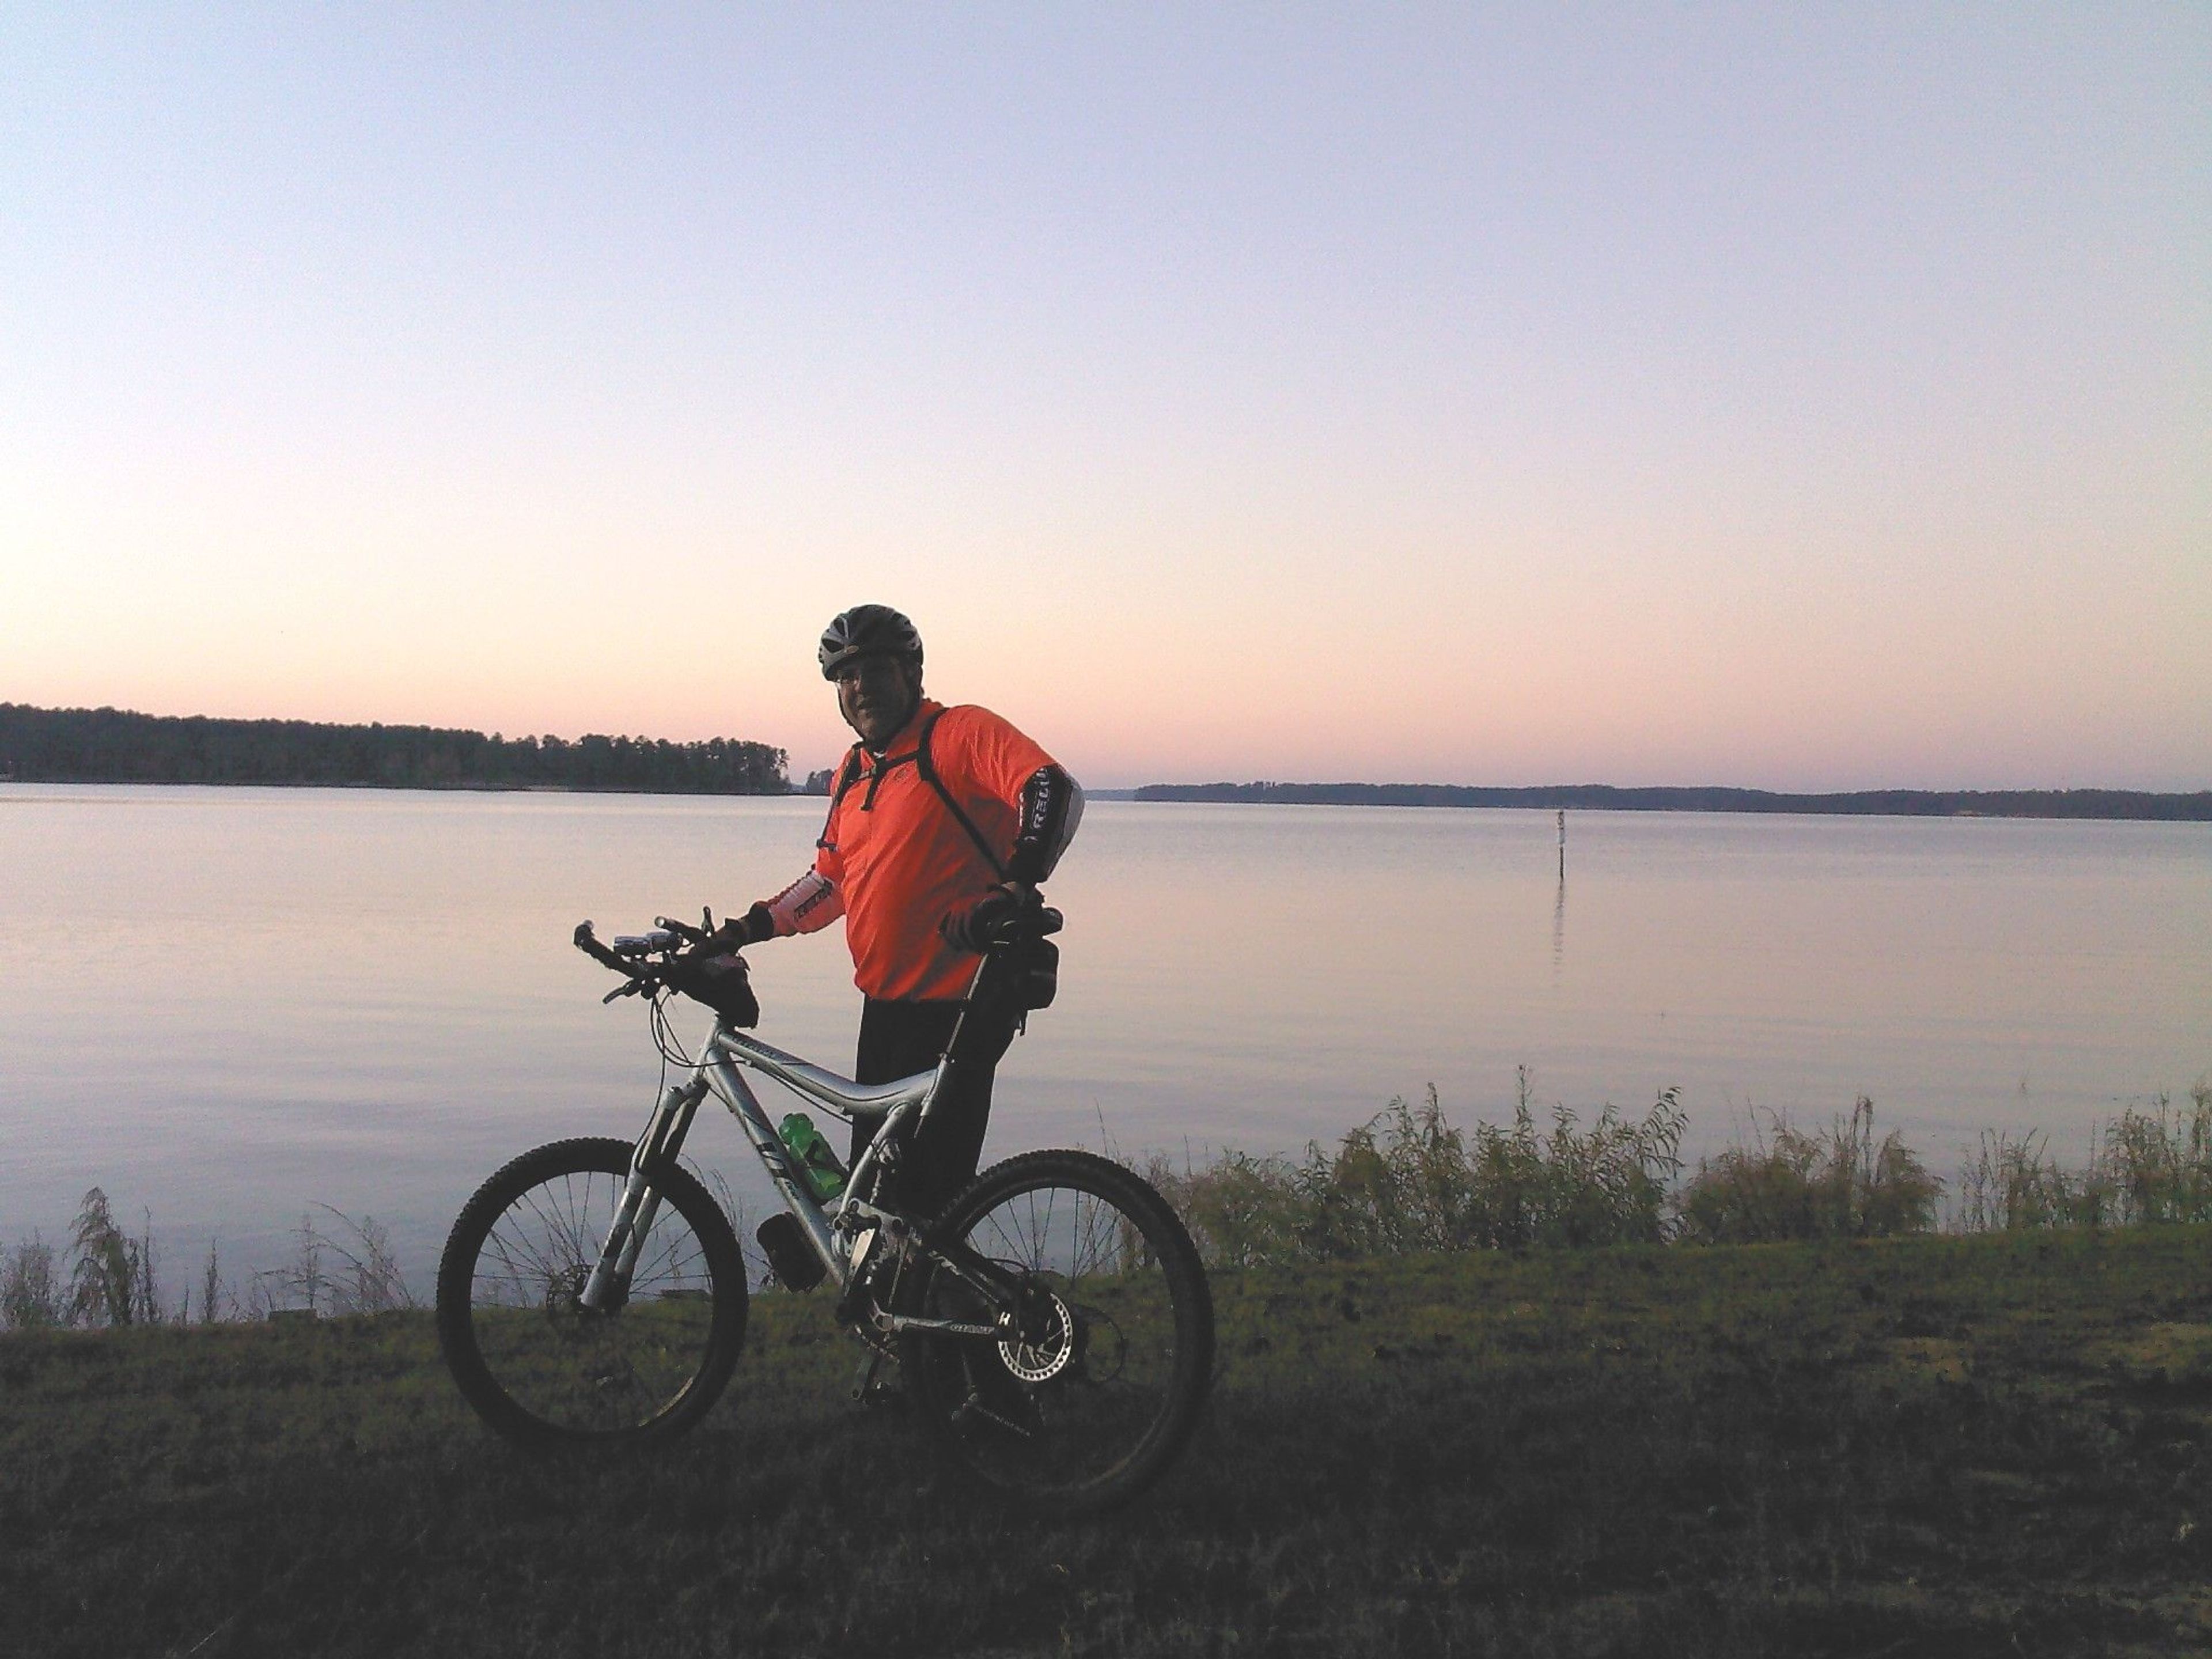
{"x":942,"y":821}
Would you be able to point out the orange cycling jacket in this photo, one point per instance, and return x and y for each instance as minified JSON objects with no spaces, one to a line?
{"x":894,"y":857}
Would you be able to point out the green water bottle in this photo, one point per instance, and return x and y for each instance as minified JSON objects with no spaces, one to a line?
{"x":816,"y":1158}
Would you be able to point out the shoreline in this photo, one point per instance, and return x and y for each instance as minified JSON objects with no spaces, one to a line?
{"x":2193,"y":808}
{"x":2114,"y":805}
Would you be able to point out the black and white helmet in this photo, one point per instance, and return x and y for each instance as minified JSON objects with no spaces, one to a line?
{"x":864,"y":630}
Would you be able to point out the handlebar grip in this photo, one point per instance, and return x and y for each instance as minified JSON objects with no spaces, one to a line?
{"x":589,"y":944}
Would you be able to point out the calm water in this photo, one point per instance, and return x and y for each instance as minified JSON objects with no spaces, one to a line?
{"x":224,"y":1006}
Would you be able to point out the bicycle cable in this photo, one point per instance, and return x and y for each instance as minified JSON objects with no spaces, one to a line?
{"x":665,"y":1039}
{"x":670,"y":1047}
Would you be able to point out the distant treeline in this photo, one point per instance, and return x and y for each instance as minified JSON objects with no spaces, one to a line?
{"x":1900,"y":803}
{"x":110,"y":745}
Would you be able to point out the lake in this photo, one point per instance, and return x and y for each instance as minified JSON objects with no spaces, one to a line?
{"x":225,"y":1006}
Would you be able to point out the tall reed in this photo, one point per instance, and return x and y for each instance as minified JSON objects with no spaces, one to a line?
{"x":2146,"y":1167}
{"x":343,"y":1265}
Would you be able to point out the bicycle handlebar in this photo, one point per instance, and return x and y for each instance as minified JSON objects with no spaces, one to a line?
{"x":588,"y":943}
{"x":676,"y":943}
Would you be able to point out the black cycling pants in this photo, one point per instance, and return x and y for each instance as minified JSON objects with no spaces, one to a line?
{"x":898,"y":1039}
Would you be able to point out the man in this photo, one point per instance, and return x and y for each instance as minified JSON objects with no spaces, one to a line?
{"x":942,"y":821}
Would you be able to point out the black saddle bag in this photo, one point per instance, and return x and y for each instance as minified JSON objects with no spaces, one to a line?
{"x":723,"y":982}
{"x":1022,"y":973}
{"x":1036,"y":975}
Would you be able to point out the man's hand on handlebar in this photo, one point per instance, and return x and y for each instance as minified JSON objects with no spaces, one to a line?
{"x":706,"y":937}
{"x":974,"y":924}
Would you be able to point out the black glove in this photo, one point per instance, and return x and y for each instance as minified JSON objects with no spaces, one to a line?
{"x":969,"y":925}
{"x":717,"y":976}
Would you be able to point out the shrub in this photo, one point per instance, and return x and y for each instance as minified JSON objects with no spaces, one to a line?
{"x":1242,"y":1210}
{"x":2144,"y":1167}
{"x":2158,"y":1164}
{"x":115,"y":1278}
{"x":1789,"y":1184}
{"x":30,"y":1295}
{"x":1408,"y":1180}
{"x":2013,"y":1184}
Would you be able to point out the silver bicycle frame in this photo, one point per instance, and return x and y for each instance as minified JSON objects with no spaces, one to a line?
{"x":725,"y":1051}
{"x":728,"y":1049}
{"x":718,"y":1068}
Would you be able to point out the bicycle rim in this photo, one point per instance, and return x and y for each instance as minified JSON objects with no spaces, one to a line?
{"x":536,"y":1362}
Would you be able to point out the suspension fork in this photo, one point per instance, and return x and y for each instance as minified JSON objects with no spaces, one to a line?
{"x":640,"y":1204}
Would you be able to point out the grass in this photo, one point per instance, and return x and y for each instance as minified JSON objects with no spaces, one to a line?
{"x":1955,"y":1445}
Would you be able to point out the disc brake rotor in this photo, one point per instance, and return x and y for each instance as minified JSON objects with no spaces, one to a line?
{"x":1039,"y":1359}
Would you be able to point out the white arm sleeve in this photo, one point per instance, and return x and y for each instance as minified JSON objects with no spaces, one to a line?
{"x":807,"y":905}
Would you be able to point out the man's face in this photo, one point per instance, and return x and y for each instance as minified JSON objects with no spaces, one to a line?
{"x":876,"y":694}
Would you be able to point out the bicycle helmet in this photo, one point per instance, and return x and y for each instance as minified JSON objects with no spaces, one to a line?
{"x":866,"y":629}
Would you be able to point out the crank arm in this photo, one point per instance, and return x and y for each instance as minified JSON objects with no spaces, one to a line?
{"x":973,"y":1406}
{"x":898,"y":1322}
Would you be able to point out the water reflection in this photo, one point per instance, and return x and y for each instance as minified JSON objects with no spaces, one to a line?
{"x":1559,"y":929}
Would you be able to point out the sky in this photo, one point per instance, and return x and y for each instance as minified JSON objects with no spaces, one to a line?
{"x":1801,"y":397}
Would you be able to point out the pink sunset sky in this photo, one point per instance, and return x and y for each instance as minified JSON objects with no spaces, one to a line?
{"x":1783,"y":397}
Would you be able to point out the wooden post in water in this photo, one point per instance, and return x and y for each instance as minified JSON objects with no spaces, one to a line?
{"x":1563,"y":846}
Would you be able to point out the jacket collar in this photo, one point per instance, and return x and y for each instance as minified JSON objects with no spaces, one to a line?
{"x":905,"y":734}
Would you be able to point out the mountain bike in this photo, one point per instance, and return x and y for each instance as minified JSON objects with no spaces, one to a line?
{"x":1052,"y":1327}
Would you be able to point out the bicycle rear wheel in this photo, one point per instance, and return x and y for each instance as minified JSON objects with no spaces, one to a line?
{"x":1093,"y":1396}
{"x":538,"y":1365}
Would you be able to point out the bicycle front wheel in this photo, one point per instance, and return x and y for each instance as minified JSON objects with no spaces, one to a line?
{"x":539,"y":1366}
{"x":1094,"y":1393}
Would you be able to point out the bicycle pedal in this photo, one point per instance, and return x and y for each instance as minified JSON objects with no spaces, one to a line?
{"x":864,"y":1377}
{"x":882,"y":1396}
{"x":869,"y":1388}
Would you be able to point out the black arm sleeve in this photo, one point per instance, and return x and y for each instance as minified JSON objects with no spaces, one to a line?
{"x":1051,"y":806}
